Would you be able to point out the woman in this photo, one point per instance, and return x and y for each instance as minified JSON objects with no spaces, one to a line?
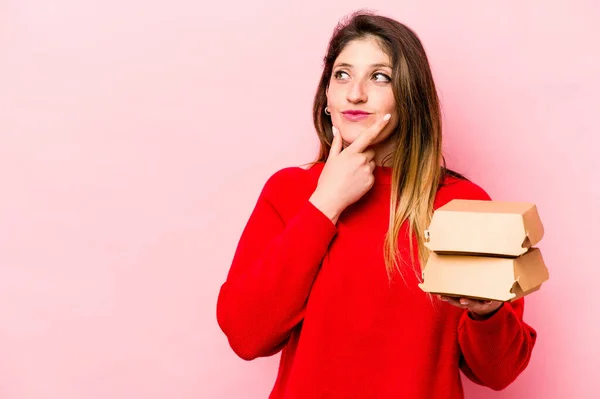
{"x":327,"y":268}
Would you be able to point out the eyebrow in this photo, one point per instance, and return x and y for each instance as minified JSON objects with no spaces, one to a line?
{"x":346,"y":65}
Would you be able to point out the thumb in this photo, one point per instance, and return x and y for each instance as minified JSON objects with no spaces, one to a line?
{"x":336,"y":144}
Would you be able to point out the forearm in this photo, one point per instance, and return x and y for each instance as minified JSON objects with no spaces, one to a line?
{"x":264,"y":297}
{"x":497,"y":349}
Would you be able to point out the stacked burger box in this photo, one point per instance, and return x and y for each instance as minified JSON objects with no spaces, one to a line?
{"x":484,"y":250}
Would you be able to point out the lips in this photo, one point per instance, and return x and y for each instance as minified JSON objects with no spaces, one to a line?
{"x":355,"y":115}
{"x":355,"y":112}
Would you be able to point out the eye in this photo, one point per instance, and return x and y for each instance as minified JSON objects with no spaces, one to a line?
{"x":341,"y":75}
{"x":381,"y":77}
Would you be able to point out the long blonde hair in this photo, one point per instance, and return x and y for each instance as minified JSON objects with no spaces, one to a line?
{"x":417,"y":161}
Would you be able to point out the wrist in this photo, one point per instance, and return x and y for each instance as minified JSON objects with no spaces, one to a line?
{"x":484,"y":316}
{"x":329,"y":209}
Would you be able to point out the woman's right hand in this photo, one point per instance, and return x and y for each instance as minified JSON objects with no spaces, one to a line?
{"x":348,"y":172}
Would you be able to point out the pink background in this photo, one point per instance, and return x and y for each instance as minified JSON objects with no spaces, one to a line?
{"x":136,"y":135}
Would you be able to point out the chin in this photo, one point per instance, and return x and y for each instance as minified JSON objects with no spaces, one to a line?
{"x":348,"y":138}
{"x":349,"y":134}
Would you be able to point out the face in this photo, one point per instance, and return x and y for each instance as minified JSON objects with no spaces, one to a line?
{"x":360,"y":90}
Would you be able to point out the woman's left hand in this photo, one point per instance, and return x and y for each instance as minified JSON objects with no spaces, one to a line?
{"x":479,"y":309}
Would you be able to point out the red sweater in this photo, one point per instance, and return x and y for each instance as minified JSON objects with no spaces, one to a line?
{"x":320,"y":293}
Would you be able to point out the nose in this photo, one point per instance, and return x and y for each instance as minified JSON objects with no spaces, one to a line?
{"x":357,"y":92}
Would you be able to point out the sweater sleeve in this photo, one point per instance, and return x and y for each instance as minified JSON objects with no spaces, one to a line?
{"x":273,"y":269}
{"x":496,"y":350}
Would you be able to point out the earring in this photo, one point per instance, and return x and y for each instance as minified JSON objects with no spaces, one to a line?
{"x":327,"y":111}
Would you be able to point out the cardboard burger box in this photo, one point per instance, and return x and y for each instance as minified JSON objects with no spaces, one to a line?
{"x":484,"y":250}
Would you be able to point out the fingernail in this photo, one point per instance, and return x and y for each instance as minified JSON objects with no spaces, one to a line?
{"x":387,"y":117}
{"x":445,"y":299}
{"x":334,"y":130}
{"x":464,"y":302}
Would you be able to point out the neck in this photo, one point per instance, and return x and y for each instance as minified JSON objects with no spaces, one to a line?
{"x":383,"y":153}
